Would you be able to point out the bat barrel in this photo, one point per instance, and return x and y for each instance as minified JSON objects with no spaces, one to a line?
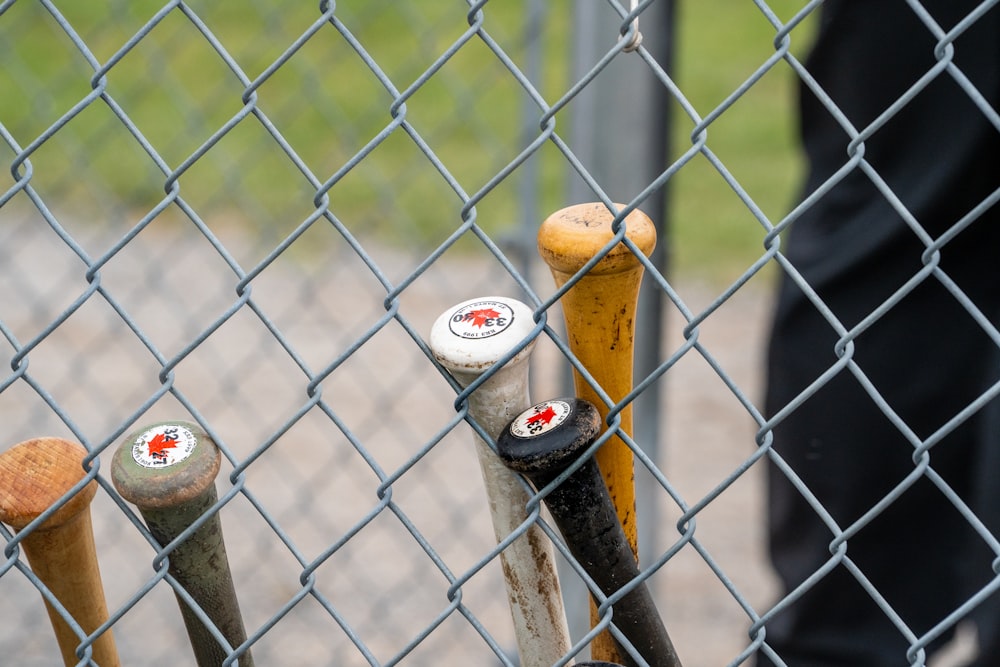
{"x":469,"y":339}
{"x":168,"y":470}
{"x":541,"y":443}
{"x":35,"y":475}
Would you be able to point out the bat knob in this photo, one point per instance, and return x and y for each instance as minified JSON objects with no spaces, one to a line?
{"x":545,"y":439}
{"x":165,"y":464}
{"x":473,"y":335}
{"x":570,"y":237}
{"x":35,"y":474}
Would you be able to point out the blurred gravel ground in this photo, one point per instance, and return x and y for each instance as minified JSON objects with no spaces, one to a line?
{"x":313,"y":517}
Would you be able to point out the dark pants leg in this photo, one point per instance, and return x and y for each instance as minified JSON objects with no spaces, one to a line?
{"x":928,"y":360}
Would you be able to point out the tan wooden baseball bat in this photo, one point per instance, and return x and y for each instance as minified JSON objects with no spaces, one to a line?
{"x":35,"y":475}
{"x":599,"y":311}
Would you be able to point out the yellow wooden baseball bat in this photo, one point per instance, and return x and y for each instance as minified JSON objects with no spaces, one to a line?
{"x":599,"y":311}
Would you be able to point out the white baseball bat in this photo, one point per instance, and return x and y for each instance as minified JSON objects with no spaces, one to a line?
{"x":469,"y":339}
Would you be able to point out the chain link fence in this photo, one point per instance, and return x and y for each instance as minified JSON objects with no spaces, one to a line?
{"x":248,"y":215}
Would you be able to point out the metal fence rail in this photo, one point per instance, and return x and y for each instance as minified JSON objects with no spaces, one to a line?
{"x":248,"y":216}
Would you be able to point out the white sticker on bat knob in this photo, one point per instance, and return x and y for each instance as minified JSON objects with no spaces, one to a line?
{"x":539,"y":419}
{"x":163,"y":446}
{"x":481,"y":319}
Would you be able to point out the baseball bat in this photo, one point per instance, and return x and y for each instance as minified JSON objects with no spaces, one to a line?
{"x":35,"y":475}
{"x":541,"y":443}
{"x":168,"y":470}
{"x":469,"y":339}
{"x":599,"y":312}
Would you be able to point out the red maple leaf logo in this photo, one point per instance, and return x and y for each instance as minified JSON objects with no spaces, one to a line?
{"x":544,"y":417}
{"x":481,"y":316}
{"x":159,"y":443}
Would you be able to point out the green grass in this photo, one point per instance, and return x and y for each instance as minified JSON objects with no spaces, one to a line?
{"x":328,"y":105}
{"x":721,"y":44}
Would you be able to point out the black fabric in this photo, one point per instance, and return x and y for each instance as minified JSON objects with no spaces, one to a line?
{"x":926,"y":358}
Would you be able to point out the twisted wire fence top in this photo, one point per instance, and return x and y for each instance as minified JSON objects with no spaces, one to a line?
{"x":249,"y":215}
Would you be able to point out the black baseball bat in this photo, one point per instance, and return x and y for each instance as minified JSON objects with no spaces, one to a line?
{"x":541,"y":443}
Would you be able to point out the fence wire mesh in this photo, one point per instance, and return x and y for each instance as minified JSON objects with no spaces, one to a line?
{"x":248,"y":215}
